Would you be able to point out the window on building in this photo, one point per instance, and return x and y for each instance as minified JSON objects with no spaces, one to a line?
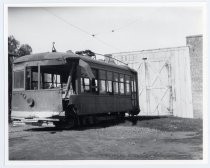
{"x":19,"y":79}
{"x":115,"y":83}
{"x":32,"y":78}
{"x":122,"y":84}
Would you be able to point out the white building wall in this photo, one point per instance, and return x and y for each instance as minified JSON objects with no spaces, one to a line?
{"x":164,"y":80}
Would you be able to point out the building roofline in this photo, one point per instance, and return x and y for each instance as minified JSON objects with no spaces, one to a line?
{"x":147,"y":50}
{"x":193,"y":36}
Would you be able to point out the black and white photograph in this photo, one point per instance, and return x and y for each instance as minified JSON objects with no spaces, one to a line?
{"x":110,"y":82}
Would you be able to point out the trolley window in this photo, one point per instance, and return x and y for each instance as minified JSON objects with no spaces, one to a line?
{"x":94,"y":82}
{"x":19,"y":79}
{"x":32,"y":78}
{"x":50,"y":81}
{"x":121,"y":84}
{"x":57,"y":77}
{"x":85,"y":85}
{"x":134,"y":85}
{"x":109,"y":82}
{"x":102,"y":86}
{"x":127,"y":85}
{"x":47,"y":80}
{"x":115,"y":83}
{"x":102,"y":81}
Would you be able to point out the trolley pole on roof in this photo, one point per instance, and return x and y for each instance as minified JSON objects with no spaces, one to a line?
{"x":53,"y":48}
{"x":112,"y":58}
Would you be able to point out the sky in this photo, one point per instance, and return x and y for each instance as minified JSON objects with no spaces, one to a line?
{"x":103,"y":29}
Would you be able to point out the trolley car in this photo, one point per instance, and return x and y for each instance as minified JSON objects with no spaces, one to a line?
{"x":70,"y":89}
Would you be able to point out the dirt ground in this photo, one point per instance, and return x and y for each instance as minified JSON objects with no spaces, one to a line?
{"x":142,"y":138}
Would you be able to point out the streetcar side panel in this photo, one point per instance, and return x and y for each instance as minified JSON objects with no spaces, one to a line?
{"x":90,"y":102}
{"x":99,"y":104}
{"x":36,"y":103}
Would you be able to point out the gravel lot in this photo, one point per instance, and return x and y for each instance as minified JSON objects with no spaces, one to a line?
{"x":142,"y":138}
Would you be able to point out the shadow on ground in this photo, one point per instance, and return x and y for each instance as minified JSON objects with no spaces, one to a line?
{"x":127,"y":121}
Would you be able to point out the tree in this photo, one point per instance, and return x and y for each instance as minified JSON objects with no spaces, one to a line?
{"x":24,"y":49}
{"x":13,"y":45}
{"x":14,"y":50}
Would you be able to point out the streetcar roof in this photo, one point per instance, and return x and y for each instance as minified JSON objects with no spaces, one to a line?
{"x":61,"y":56}
{"x":43,"y":56}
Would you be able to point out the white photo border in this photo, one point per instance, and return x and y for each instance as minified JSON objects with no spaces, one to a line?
{"x":7,"y":162}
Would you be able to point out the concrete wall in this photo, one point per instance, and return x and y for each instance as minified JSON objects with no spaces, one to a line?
{"x":195,"y":44}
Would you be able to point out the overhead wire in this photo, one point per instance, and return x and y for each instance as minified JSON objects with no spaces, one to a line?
{"x":76,"y":27}
{"x":80,"y":29}
{"x":117,"y":29}
{"x":123,"y":26}
{"x":95,"y":35}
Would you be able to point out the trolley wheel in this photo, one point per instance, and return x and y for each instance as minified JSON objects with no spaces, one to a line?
{"x":67,"y":123}
{"x":122,"y":116}
{"x":58,"y":124}
{"x":70,"y":123}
